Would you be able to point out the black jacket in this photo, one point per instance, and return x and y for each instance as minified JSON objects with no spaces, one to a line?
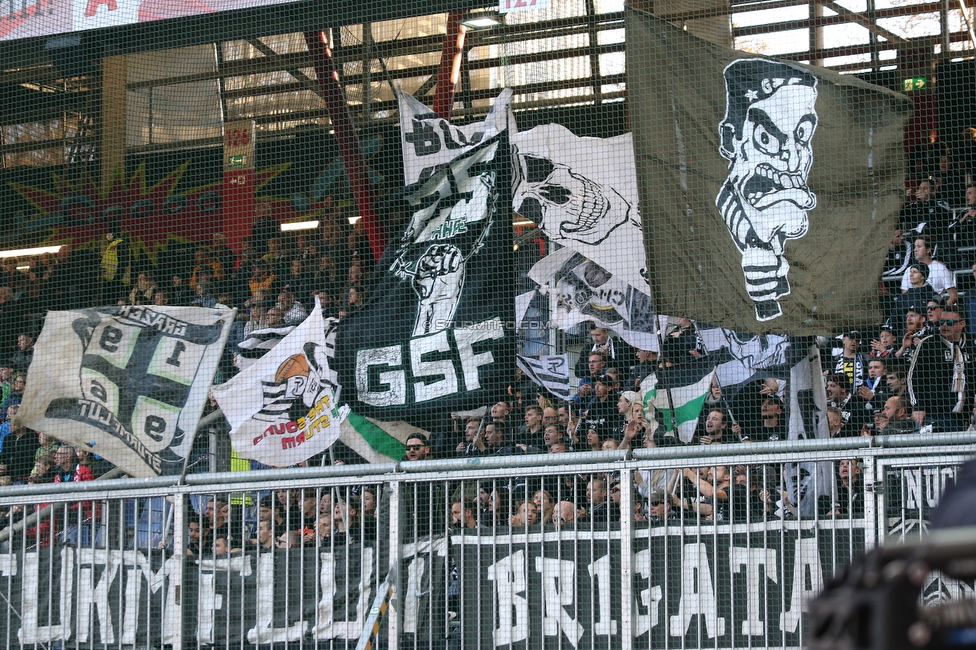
{"x":929,"y":380}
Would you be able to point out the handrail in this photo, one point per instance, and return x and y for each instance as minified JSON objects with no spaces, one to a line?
{"x":376,"y":470}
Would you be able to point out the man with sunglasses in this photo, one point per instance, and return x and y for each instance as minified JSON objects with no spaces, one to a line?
{"x":941,"y":378}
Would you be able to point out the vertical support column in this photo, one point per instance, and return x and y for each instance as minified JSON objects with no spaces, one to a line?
{"x":449,"y":71}
{"x":345,"y":132}
{"x":873,"y":502}
{"x":816,"y":31}
{"x":179,"y":552}
{"x":944,"y":24}
{"x":397,"y":601}
{"x":627,"y":603}
{"x":112,"y":129}
{"x":238,"y":191}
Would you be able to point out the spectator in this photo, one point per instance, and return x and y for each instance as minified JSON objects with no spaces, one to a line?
{"x":939,"y":276}
{"x":885,"y":345}
{"x":531,"y":432}
{"x":206,"y":268}
{"x":613,"y":350}
{"x":683,"y":344}
{"x":204,"y":295}
{"x":526,"y":514}
{"x":709,"y":487}
{"x":850,"y":361}
{"x":646,"y":364}
{"x":462,"y":515}
{"x":852,"y":407}
{"x":177,"y":292}
{"x":551,"y":436}
{"x":68,"y":469}
{"x":265,"y":538}
{"x":6,"y":380}
{"x":18,"y":452}
{"x":850,"y":490}
{"x":116,"y":266}
{"x":5,"y":427}
{"x":875,"y":389}
{"x":145,"y":290}
{"x":773,"y":424}
{"x":597,"y":510}
{"x":22,"y":358}
{"x":498,"y":507}
{"x":294,"y":312}
{"x":544,"y":504}
{"x":638,"y":427}
{"x":897,"y":419}
{"x":16,"y":395}
{"x":715,"y":429}
{"x":914,"y":324}
{"x":261,"y":279}
{"x":835,"y":423}
{"x":566,"y":512}
{"x":919,"y":290}
{"x":596,"y":365}
{"x":659,"y":509}
{"x":47,"y":444}
{"x":925,"y":214}
{"x":940,"y":375}
{"x":933,"y":313}
{"x":469,"y":446}
{"x":895,"y":381}
{"x":601,"y":410}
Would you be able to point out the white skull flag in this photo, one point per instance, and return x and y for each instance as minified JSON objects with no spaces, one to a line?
{"x":127,"y":382}
{"x":759,"y":182}
{"x":565,"y":185}
{"x":437,"y":333}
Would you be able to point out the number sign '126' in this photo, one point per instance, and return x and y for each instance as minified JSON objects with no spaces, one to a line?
{"x":508,"y":6}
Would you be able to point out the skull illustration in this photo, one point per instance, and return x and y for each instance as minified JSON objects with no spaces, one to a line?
{"x":565,"y":204}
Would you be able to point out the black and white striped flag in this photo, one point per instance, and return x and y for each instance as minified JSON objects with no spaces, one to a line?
{"x":548,"y":371}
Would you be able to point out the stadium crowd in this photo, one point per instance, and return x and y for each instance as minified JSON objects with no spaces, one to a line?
{"x":910,"y":374}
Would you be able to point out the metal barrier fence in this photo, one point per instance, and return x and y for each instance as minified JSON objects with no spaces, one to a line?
{"x":525,"y":551}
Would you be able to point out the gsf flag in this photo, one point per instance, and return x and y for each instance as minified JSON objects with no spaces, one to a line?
{"x":282,"y":409}
{"x":759,"y":181}
{"x":437,"y":333}
{"x":130,"y":381}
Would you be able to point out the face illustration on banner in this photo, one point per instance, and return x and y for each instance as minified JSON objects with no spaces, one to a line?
{"x":437,"y":275}
{"x":565,"y":204}
{"x":766,"y":136}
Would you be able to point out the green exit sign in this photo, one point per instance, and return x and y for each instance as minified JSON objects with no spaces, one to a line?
{"x":914,"y":83}
{"x":236,"y":161}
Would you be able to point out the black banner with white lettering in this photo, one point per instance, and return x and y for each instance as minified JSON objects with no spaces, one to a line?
{"x":95,"y":597}
{"x":562,"y":589}
{"x":437,"y":331}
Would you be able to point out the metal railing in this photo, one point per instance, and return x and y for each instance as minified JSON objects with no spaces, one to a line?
{"x":299,"y":556}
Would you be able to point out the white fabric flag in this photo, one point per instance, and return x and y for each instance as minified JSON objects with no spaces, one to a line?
{"x":430,"y":142}
{"x":582,"y":193}
{"x":585,"y":291}
{"x":129,"y":382}
{"x":282,"y":409}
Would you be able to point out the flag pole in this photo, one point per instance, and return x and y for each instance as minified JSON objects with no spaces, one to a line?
{"x":670,"y":431}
